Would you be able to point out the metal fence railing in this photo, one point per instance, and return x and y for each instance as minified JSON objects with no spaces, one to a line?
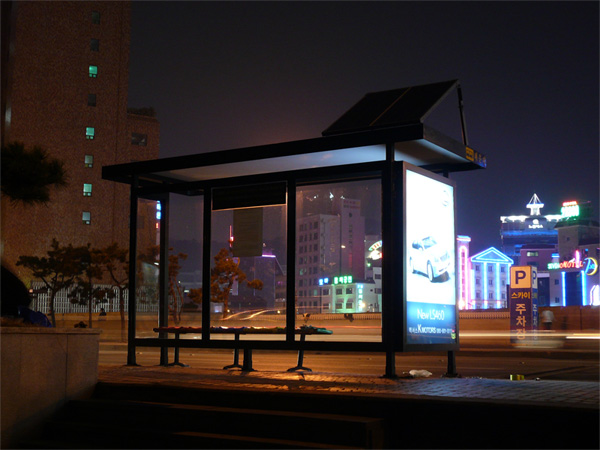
{"x":63,"y":303}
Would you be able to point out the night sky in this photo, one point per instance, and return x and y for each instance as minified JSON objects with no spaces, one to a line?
{"x":224,"y":75}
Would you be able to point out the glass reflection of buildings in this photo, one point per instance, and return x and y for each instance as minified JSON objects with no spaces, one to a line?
{"x":330,"y":244}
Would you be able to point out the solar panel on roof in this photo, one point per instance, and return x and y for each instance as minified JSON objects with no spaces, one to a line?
{"x":392,"y":108}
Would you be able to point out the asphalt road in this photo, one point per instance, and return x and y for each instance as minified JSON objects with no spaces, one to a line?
{"x":484,"y":363}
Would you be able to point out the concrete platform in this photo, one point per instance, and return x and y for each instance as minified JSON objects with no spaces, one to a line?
{"x":575,"y":394}
{"x":419,"y":412}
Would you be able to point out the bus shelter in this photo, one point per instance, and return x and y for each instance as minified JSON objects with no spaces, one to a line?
{"x":353,"y":231}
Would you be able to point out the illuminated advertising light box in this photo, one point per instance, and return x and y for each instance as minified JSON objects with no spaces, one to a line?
{"x":431,"y":314}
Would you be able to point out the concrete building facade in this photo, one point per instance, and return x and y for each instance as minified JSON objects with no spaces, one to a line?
{"x":490,"y":275}
{"x":65,"y":70}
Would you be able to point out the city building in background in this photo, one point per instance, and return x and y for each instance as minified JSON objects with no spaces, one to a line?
{"x":577,"y":230}
{"x":65,"y":70}
{"x":574,"y":282}
{"x":539,"y":256}
{"x":463,"y":272}
{"x":490,"y":275}
{"x":329,"y":246}
{"x":532,"y":228}
{"x":564,"y":248}
{"x":342,"y":294}
{"x":573,"y":272}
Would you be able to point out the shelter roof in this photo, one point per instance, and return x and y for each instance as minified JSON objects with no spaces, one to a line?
{"x":412,"y":141}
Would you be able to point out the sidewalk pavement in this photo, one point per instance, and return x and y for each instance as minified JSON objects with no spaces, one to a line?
{"x":547,"y":393}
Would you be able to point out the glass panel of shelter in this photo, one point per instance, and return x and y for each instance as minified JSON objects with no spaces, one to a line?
{"x":185,"y":261}
{"x":147,"y":269}
{"x":248,"y":282}
{"x":338,"y":259}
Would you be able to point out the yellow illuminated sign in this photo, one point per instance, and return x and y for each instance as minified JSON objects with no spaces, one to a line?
{"x":521,"y":277}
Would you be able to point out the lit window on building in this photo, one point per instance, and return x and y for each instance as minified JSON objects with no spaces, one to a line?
{"x":90,"y":132}
{"x":89,"y":161}
{"x":139,"y":139}
{"x":87,"y":189}
{"x":95,"y":45}
{"x":532,"y":253}
{"x":95,"y":17}
{"x":93,"y":71}
{"x":91,"y":99}
{"x":86,"y":216}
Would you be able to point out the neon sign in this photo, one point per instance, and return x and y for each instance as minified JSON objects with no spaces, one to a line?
{"x":376,"y":246}
{"x":536,"y":224}
{"x":345,"y":279}
{"x":589,"y":265}
{"x":375,"y":251}
{"x":572,"y":264}
{"x":570,"y":209}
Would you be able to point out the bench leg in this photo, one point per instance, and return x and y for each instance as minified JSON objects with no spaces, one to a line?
{"x":236,"y":360}
{"x":236,"y":356}
{"x":176,"y":361}
{"x":300,"y":362}
{"x":300,"y":359}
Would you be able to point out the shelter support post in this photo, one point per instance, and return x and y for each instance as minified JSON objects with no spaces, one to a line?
{"x":247,"y":364}
{"x":390,"y":364}
{"x":131,"y":301}
{"x":206,"y":241}
{"x":390,"y":292}
{"x":163,"y":301}
{"x":451,"y":371}
{"x":290,"y":311}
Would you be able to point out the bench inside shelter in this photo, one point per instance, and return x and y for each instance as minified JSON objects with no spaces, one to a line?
{"x":303,"y":331}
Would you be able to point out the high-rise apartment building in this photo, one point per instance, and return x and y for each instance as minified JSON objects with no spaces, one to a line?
{"x":330,"y":245}
{"x":65,"y":70}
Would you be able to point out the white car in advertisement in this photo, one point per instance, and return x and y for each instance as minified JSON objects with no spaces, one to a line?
{"x":428,"y":257}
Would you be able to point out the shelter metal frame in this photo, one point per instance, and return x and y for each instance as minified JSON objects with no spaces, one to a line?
{"x":372,"y":154}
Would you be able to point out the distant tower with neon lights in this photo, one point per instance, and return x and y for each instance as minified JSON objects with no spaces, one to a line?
{"x":535,"y":205}
{"x":533,"y":228}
